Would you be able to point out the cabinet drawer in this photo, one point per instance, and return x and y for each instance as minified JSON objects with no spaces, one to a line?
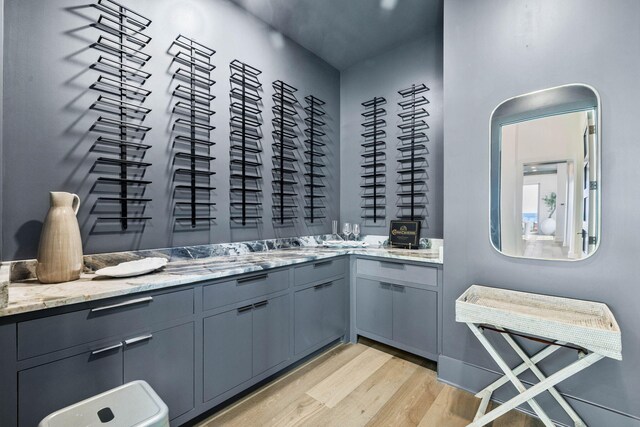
{"x":244,"y":288}
{"x":319,"y":270}
{"x":106,"y":319}
{"x":395,"y":272}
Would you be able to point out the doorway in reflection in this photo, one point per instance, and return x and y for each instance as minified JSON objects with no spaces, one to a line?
{"x":545,"y":186}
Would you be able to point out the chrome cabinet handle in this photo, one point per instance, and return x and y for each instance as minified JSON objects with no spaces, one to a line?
{"x":252,"y":278}
{"x":102,"y":350}
{"x":138,"y":339}
{"x":260,"y":304}
{"x":122,"y":304}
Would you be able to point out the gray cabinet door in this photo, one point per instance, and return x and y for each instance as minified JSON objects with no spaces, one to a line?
{"x":415,"y":318}
{"x":47,"y":388}
{"x":270,"y":333}
{"x":333,"y":300}
{"x":228,"y":352}
{"x":308,"y":315}
{"x":164,"y":359}
{"x":374,"y":307}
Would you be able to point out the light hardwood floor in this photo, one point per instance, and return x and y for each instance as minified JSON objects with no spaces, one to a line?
{"x":366,"y":384}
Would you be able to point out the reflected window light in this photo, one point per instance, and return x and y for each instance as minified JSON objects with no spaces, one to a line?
{"x":388,"y":4}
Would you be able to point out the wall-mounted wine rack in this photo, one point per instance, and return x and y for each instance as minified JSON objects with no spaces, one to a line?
{"x":373,"y":160}
{"x":122,"y":133}
{"x":245,"y":139}
{"x":192,"y":130}
{"x":412,"y":159}
{"x":284,"y":147}
{"x":314,"y":158}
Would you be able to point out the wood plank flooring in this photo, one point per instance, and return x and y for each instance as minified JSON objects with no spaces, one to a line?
{"x":366,"y":384}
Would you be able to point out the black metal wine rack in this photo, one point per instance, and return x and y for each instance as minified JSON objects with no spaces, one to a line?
{"x":412,"y":159}
{"x":245,"y":140}
{"x":192,"y":130}
{"x":373,"y":160}
{"x":120,"y":104}
{"x":284,"y":146}
{"x":314,"y":158}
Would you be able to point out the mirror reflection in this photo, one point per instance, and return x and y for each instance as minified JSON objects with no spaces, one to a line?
{"x":545,"y":174}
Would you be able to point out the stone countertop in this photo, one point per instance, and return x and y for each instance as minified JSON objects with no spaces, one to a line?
{"x":30,"y":295}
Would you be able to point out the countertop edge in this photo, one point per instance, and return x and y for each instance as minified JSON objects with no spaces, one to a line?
{"x":111,"y":288}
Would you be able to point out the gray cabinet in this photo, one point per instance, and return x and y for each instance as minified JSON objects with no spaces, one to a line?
{"x":240,"y":327}
{"x":244,"y":342}
{"x":319,"y":271}
{"x":112,"y":318}
{"x":270,"y":333}
{"x":307,"y":318}
{"x":164,"y":359}
{"x":405,"y":316}
{"x":334,"y":309}
{"x":55,"y":385}
{"x":374,"y":307}
{"x":227,"y":351}
{"x":415,"y":316}
{"x":319,"y":313}
{"x":87,"y":352}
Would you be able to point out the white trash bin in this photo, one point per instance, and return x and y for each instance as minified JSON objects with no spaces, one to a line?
{"x":134,"y":404}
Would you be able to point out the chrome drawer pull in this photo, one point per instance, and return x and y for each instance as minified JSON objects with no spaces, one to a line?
{"x":137,"y":339}
{"x":260,"y":304}
{"x":322,"y":264}
{"x":102,"y":350}
{"x":252,"y":278}
{"x":122,"y":304}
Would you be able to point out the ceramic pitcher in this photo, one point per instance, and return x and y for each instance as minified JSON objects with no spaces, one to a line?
{"x":60,"y":250}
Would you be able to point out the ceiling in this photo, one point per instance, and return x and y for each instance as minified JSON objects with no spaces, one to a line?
{"x":344,"y":32}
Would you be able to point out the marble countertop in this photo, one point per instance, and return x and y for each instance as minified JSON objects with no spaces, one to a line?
{"x":30,"y":295}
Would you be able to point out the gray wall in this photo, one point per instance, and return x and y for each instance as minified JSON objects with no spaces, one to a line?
{"x":495,"y":50}
{"x":419,"y":61}
{"x":47,"y":140}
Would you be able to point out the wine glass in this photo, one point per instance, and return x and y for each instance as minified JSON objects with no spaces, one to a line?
{"x":346,"y":230}
{"x":356,"y":231}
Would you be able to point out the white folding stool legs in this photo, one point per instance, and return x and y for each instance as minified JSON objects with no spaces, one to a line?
{"x":526,"y":395}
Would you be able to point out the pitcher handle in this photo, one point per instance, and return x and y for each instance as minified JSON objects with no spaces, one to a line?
{"x":75,"y":205}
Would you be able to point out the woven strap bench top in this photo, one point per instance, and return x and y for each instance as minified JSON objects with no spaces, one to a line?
{"x":587,"y":324}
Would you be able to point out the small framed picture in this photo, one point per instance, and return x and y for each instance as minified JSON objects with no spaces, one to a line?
{"x":404,"y":234}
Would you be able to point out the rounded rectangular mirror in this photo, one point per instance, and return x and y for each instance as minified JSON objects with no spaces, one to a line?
{"x":545,"y":174}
